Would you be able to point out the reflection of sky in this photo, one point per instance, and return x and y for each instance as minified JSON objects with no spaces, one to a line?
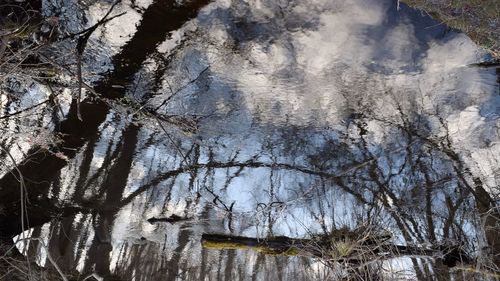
{"x":282,"y":83}
{"x":307,"y":78}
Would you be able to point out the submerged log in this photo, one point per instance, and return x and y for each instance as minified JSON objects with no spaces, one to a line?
{"x":278,"y":245}
{"x":333,"y":249}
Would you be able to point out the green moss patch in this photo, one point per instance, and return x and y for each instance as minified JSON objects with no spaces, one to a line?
{"x":230,"y":245}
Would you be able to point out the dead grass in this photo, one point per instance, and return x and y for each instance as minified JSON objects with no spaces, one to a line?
{"x":479,"y":19}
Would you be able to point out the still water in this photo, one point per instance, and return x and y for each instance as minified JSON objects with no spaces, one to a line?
{"x":257,"y":118}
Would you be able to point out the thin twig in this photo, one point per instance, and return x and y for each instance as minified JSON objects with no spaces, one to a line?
{"x":23,"y":196}
{"x":23,"y":110}
{"x":173,"y":94}
{"x":49,"y":256}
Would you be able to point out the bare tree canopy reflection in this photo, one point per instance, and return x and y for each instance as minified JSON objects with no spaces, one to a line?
{"x":245,"y":140}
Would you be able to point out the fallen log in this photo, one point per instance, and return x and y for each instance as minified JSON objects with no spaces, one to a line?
{"x":337,"y":249}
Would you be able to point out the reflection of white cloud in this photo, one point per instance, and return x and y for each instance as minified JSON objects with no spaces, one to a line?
{"x":309,"y":76}
{"x":4,"y":99}
{"x":455,"y":52}
{"x":119,"y":30}
{"x":339,"y":34}
{"x":478,"y":138}
{"x":277,"y":91}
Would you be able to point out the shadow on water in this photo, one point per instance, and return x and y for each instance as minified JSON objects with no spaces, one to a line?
{"x":44,"y":166}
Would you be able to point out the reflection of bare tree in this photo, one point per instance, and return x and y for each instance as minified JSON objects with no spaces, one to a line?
{"x":115,"y":184}
{"x":429,"y":195}
{"x":411,"y":204}
{"x":414,"y":183}
{"x":418,"y":180}
{"x":74,"y":134}
{"x":42,"y":167}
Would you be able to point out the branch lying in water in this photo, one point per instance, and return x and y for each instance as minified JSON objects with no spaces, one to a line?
{"x":347,"y":247}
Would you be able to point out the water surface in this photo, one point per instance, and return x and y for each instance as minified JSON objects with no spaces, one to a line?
{"x":259,"y":119}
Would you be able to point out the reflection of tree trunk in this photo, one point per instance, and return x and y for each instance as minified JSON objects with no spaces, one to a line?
{"x":228,"y":271}
{"x":84,"y":168}
{"x":441,"y":271}
{"x":280,"y":265}
{"x":174,"y":263}
{"x":490,"y":217}
{"x":3,"y":46}
{"x":161,"y":18}
{"x":115,"y":184}
{"x":61,"y":242}
{"x":43,"y":166}
{"x":256,"y":269}
{"x":204,"y":271}
{"x":35,"y":245}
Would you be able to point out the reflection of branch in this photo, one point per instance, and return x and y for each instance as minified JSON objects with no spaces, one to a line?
{"x":24,"y":109}
{"x":456,"y":169}
{"x":102,"y":21}
{"x":51,"y":98}
{"x":173,"y":94}
{"x":247,"y":164}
